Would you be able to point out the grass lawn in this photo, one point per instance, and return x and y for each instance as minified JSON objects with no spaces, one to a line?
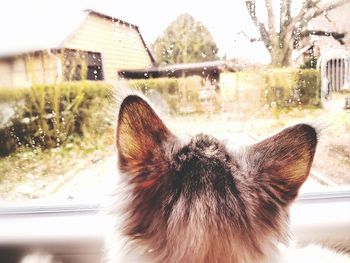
{"x":28,"y":172}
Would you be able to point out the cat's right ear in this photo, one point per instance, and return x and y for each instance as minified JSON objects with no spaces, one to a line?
{"x":283,"y":161}
{"x":141,"y":136}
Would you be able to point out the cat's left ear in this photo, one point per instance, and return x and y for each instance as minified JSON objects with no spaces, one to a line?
{"x":284,"y":160}
{"x":141,"y":136}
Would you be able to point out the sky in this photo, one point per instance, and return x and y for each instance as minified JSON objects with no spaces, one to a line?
{"x":223,"y":18}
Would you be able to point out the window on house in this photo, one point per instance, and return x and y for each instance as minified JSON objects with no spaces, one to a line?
{"x":94,"y":66}
{"x":80,"y":65}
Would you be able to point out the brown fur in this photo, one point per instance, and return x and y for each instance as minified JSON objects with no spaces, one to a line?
{"x":199,"y":202}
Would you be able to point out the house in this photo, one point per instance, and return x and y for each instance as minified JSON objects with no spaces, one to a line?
{"x":90,"y":45}
{"x":327,"y":48}
{"x":325,"y":33}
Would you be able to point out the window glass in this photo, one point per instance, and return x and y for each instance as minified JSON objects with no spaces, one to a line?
{"x":239,"y":70}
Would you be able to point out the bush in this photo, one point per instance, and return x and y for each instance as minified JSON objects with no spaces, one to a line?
{"x":275,"y":87}
{"x":309,"y":85}
{"x":46,"y":116}
{"x":288,"y":87}
{"x":181,"y":95}
{"x":12,"y":94}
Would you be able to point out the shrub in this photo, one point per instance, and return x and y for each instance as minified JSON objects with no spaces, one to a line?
{"x":309,"y":85}
{"x":46,"y":116}
{"x":287,"y":87}
{"x":12,"y":94}
{"x":275,"y":87}
{"x":242,"y":91}
{"x":181,"y":95}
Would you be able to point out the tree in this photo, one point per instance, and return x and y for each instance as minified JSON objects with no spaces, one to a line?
{"x":280,"y":38}
{"x":185,"y":40}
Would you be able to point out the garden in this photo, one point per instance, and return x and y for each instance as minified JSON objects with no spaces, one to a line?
{"x":59,"y":137}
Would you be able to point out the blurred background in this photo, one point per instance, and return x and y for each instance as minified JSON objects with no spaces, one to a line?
{"x":239,"y":70}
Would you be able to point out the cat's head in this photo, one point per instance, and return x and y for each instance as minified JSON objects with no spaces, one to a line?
{"x":197,"y":201}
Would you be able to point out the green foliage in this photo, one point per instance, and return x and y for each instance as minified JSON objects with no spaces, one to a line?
{"x":275,"y":87}
{"x":166,"y":87}
{"x":246,"y":90}
{"x":181,"y":95}
{"x":287,"y":87}
{"x":45,"y":116}
{"x":310,"y":63}
{"x":184,"y":41}
{"x":12,"y":94}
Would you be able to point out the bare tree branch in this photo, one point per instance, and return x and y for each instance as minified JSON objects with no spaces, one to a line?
{"x":280,"y":43}
{"x":248,"y":37}
{"x":270,"y":18}
{"x":309,"y":11}
{"x":315,"y":13}
{"x":265,"y":35}
{"x":284,"y":13}
{"x":328,"y":19}
{"x":305,"y":8}
{"x":252,"y":12}
{"x":250,"y":4}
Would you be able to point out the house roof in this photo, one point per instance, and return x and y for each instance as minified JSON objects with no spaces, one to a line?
{"x":333,"y":21}
{"x":51,"y":31}
{"x":209,"y":68}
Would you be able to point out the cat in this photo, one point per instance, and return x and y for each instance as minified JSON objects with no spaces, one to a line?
{"x":197,"y":201}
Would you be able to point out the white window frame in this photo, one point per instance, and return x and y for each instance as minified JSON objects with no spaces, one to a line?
{"x":78,"y":229}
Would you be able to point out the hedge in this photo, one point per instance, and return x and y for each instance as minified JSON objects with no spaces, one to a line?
{"x":46,"y":116}
{"x":274,"y":87}
{"x":181,"y":95}
{"x":292,"y":87}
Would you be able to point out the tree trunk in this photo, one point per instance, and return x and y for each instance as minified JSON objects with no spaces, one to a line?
{"x":281,"y":50}
{"x":280,"y":57}
{"x":280,"y":44}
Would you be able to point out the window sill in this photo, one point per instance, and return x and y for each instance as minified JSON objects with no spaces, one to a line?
{"x":79,"y":228}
